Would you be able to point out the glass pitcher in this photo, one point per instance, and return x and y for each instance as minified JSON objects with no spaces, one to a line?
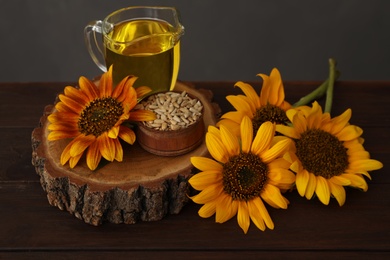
{"x":141,"y":41}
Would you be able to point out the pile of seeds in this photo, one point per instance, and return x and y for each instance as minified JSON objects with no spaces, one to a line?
{"x":174,"y":110}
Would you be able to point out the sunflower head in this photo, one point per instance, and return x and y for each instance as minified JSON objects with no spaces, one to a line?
{"x":328,"y":153}
{"x":93,"y":116}
{"x":244,"y":172}
{"x":269,"y":105}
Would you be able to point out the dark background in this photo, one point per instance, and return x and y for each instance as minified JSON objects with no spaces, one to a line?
{"x":42,"y":40}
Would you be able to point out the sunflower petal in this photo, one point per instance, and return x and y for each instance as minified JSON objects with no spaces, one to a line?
{"x":129,"y":99}
{"x":322,"y":190}
{"x":204,"y":179}
{"x":339,"y":180}
{"x":113,"y":132}
{"x":71,"y":103}
{"x":105,"y":84}
{"x":249,"y":92}
{"x":74,"y":160}
{"x":287,"y":131}
{"x":339,"y":122}
{"x":250,"y":102}
{"x":61,"y":107}
{"x":349,"y":133}
{"x":302,"y":181}
{"x":365,"y":173}
{"x":265,"y":89}
{"x":263,"y":138}
{"x":126,"y":134}
{"x":240,"y":104}
{"x":295,"y":166}
{"x":279,"y":163}
{"x":300,"y":123}
{"x":214,"y":131}
{"x":235,"y":116}
{"x":290,"y":113}
{"x":357,"y":155}
{"x":230,"y":141}
{"x":338,"y":192}
{"x":89,"y":88}
{"x":142,"y":91}
{"x":142,"y":115}
{"x":225,"y":208}
{"x":276,"y":96}
{"x":58,"y":117}
{"x":273,"y":194}
{"x":76,"y":95}
{"x":63,"y":126}
{"x":243,"y":216}
{"x":206,"y":164}
{"x":276,"y":151}
{"x":57,"y":135}
{"x":366,"y":164}
{"x":282,"y":176}
{"x":118,"y":150}
{"x":357,"y":181}
{"x":93,"y":156}
{"x":231,"y":125}
{"x":128,"y":92}
{"x":216,"y":148}
{"x":209,"y":194}
{"x":81,"y":143}
{"x":246,"y":130}
{"x":270,"y":202}
{"x":315,"y":117}
{"x":264,"y":212}
{"x":254,"y":214}
{"x":207,"y":210}
{"x":65,"y":155}
{"x":106,"y":147}
{"x":311,"y":186}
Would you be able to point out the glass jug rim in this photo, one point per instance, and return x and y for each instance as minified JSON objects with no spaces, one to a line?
{"x":107,"y":26}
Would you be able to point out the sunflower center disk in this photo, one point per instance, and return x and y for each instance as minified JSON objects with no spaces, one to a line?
{"x":322,"y":153}
{"x":270,"y":113}
{"x":244,"y":176}
{"x":99,"y":116}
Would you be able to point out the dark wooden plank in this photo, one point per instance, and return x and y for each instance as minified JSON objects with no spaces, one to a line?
{"x":27,"y":221}
{"x":15,"y":155}
{"x":21,"y":104}
{"x":31,"y":228}
{"x":198,"y":254}
{"x":369,"y":101}
{"x":367,"y":114}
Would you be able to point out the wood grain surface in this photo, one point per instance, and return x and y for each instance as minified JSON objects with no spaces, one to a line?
{"x":30,"y":228}
{"x":143,"y":187}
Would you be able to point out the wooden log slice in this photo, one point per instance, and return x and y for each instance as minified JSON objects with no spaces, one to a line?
{"x":144,"y":187}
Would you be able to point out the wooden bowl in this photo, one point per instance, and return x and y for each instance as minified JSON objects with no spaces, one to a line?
{"x":171,"y":142}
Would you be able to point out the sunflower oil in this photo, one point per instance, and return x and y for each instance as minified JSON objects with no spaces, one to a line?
{"x":147,"y":49}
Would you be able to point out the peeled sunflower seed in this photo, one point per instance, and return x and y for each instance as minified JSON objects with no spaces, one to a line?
{"x":173,"y":110}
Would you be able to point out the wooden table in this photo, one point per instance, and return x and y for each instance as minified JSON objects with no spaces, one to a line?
{"x":31,"y":228}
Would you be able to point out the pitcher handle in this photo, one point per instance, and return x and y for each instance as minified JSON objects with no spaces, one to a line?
{"x":95,"y":46}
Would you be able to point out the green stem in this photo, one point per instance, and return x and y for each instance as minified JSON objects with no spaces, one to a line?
{"x":323,"y":88}
{"x":329,"y":91}
{"x":318,"y":92}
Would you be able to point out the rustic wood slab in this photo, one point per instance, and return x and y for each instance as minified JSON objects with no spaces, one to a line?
{"x":144,"y":187}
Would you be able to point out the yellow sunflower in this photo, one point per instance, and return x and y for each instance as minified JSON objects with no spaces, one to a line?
{"x":245,"y":173}
{"x":268,"y":106}
{"x":93,"y":116}
{"x":328,"y":153}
